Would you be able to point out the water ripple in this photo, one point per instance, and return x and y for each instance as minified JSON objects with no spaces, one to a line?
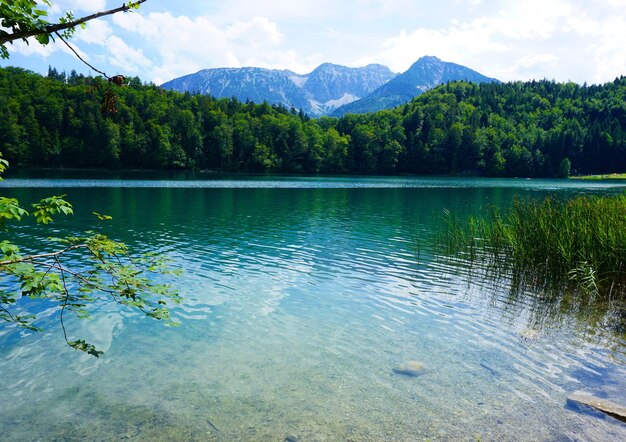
{"x":297,"y":307}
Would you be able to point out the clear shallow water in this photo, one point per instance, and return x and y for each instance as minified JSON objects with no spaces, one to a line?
{"x":301,"y":296}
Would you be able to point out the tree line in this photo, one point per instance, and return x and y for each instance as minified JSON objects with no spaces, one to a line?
{"x":508,"y":129}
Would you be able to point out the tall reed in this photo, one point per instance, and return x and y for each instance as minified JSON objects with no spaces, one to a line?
{"x":579,"y":242}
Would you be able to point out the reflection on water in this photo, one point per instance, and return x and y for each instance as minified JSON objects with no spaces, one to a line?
{"x":546,"y":300}
{"x":299,"y":303}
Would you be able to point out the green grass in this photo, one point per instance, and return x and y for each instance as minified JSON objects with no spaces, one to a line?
{"x":580,"y":243}
{"x":608,"y":176}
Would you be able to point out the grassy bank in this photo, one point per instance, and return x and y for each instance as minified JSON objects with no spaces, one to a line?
{"x":609,"y":176}
{"x":580,"y":243}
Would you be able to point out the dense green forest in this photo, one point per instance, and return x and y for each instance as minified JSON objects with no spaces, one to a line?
{"x":513,"y":129}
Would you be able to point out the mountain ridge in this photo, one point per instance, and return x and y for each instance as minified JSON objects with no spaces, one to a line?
{"x":317,"y":93}
{"x":329,"y":89}
{"x":426,"y":73}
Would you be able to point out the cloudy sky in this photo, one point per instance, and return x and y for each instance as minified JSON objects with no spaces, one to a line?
{"x":577,"y":40}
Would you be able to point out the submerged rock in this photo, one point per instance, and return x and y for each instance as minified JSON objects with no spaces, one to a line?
{"x":410,"y":368}
{"x":529,"y":334}
{"x":607,"y":407}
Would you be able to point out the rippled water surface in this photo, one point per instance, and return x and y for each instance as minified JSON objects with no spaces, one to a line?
{"x":301,"y":297}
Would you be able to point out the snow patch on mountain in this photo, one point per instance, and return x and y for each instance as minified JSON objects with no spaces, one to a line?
{"x":317,"y":93}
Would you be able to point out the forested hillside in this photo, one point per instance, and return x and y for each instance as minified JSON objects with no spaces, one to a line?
{"x":514,"y":129}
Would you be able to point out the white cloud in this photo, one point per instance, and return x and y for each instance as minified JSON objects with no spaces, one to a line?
{"x":256,"y":31}
{"x":95,"y":32}
{"x":510,"y":40}
{"x":78,"y":6}
{"x":131,"y":61}
{"x":458,"y":44}
{"x":277,"y":9}
{"x":35,"y":48}
{"x":533,"y":61}
{"x":185,"y":44}
{"x":32,"y":48}
{"x":608,"y":53}
{"x":182,"y":44}
{"x":524,"y":40}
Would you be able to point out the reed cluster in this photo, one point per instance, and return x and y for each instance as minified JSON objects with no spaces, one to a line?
{"x":579,"y":242}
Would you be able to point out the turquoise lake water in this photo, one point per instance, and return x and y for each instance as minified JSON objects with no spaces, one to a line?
{"x":301,"y":296}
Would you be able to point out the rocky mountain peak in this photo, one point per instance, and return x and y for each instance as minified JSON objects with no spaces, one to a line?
{"x":329,"y":87}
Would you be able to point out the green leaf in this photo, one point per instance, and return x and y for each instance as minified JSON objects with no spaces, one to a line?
{"x":9,"y":250}
{"x":44,"y":39}
{"x":48,"y":207}
{"x":102,"y":217}
{"x":10,"y":209}
{"x":81,"y":345}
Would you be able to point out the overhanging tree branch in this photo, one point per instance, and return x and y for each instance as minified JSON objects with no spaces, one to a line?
{"x":96,"y":264}
{"x":51,"y":29}
{"x":42,"y":255}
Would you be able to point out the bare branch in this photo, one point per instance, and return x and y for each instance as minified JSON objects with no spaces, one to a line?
{"x":65,"y":299}
{"x":79,"y":57}
{"x":43,"y":255}
{"x":51,"y":29}
{"x":6,"y":311}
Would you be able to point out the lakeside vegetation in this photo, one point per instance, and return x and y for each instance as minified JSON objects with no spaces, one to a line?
{"x":514,"y":129}
{"x":576,"y":246}
{"x":610,"y":176}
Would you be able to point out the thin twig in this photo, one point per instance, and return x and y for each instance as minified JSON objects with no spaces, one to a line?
{"x":76,"y":275}
{"x":65,"y":301}
{"x":79,"y":57}
{"x":5,"y":310}
{"x":43,"y":255}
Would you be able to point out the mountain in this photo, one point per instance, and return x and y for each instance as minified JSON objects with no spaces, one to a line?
{"x":329,"y":89}
{"x":318,"y":93}
{"x":426,"y":73}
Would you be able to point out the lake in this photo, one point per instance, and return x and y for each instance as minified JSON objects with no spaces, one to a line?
{"x":301,"y":296}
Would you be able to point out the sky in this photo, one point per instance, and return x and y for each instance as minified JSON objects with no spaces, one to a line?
{"x":564,"y":40}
